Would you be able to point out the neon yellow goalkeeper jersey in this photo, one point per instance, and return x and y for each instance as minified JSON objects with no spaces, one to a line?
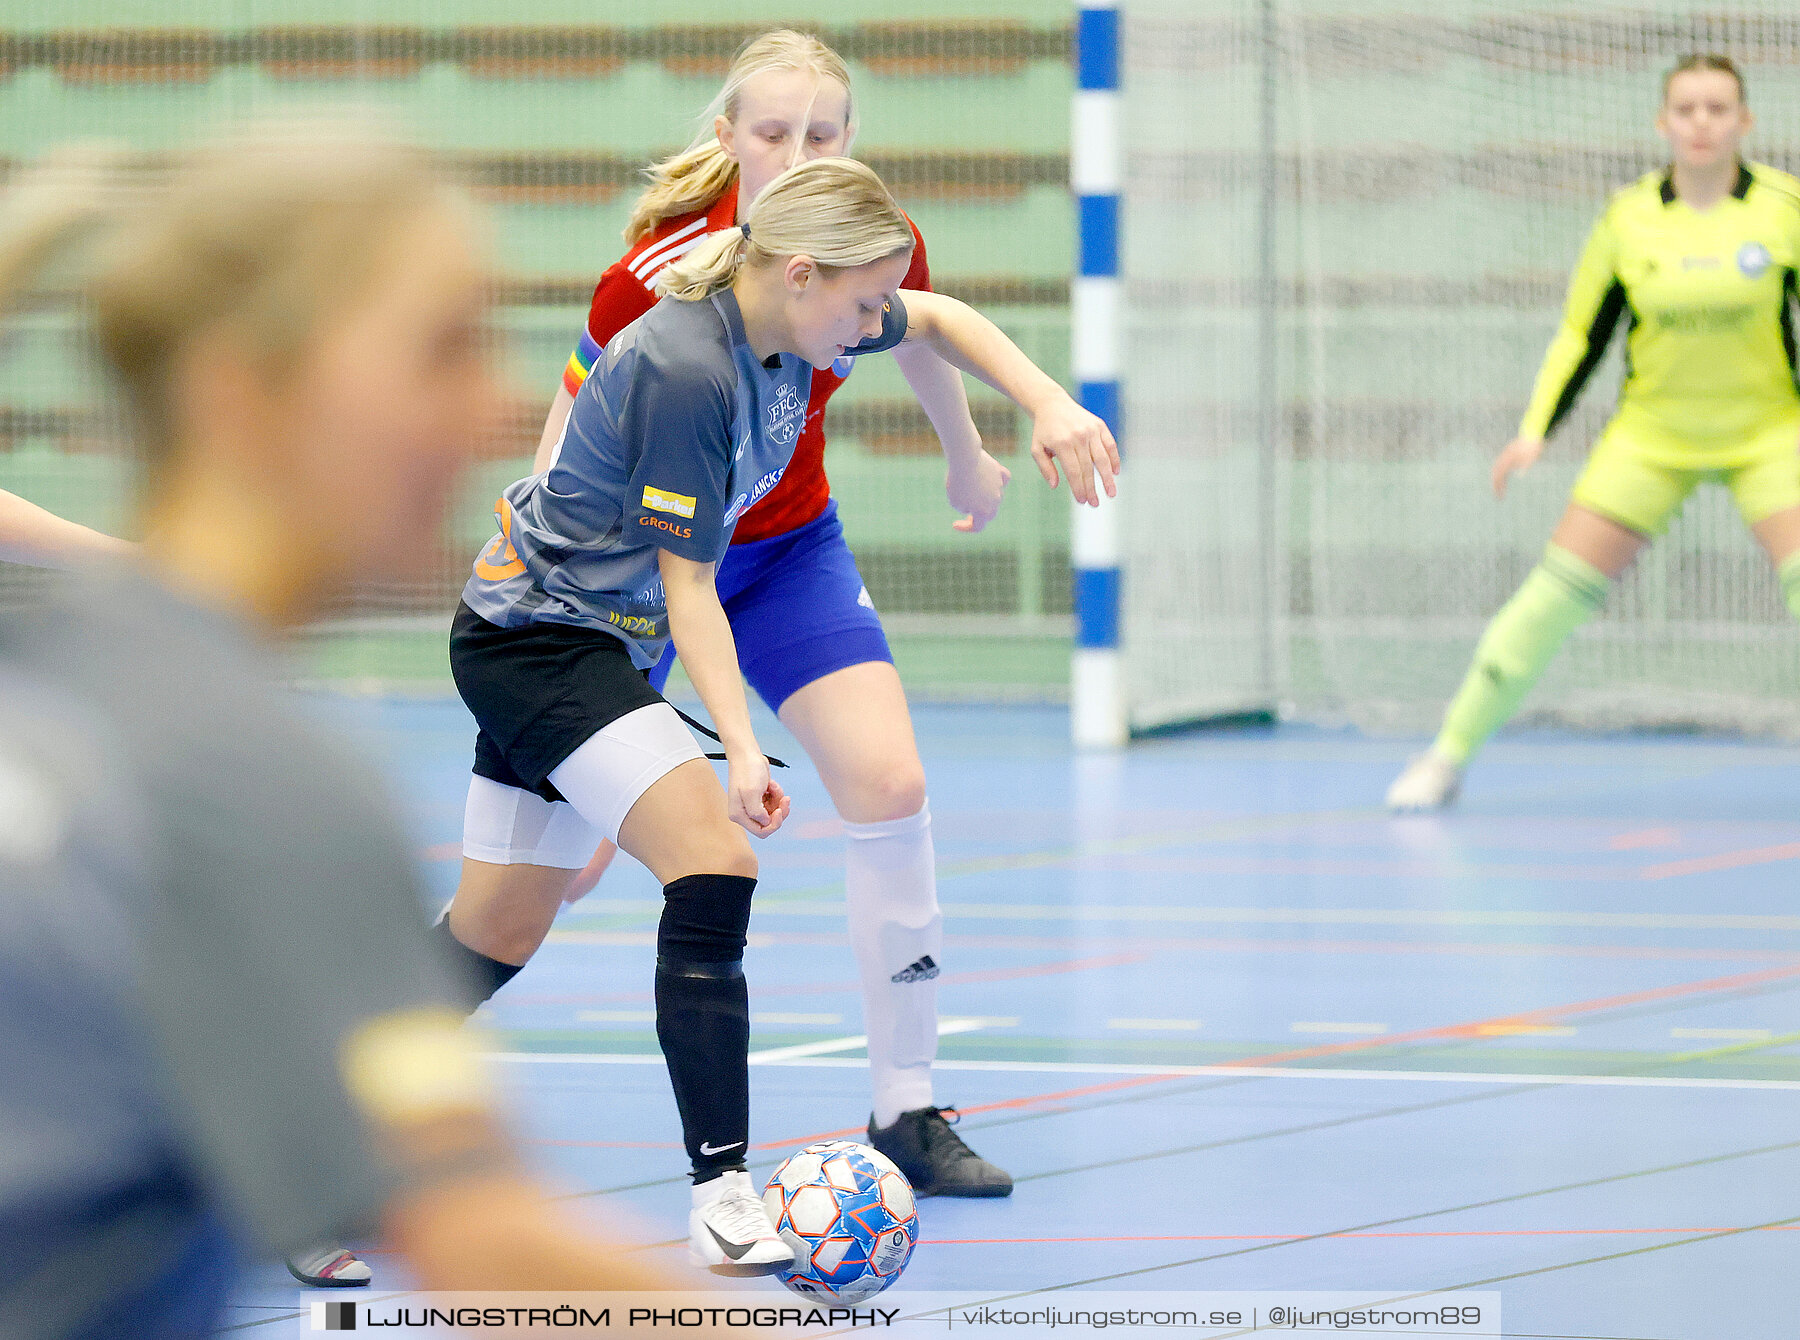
{"x":1708,"y":301}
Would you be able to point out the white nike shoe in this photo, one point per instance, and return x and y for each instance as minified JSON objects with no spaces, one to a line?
{"x":729,"y":1231}
{"x":1430,"y":782}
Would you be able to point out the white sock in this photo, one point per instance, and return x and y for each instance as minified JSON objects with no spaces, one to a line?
{"x":897,"y":931}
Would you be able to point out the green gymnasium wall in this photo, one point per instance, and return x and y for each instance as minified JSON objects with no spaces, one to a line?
{"x":552,"y":108}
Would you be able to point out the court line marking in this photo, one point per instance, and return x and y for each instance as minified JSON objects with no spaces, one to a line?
{"x":1737,"y":1048}
{"x":1727,"y":860}
{"x":1525,"y":1084}
{"x":1784,"y":1227}
{"x":1544,"y":1015}
{"x":1051,"y":969}
{"x":1616,"y":1256}
{"x":1143,"y":844}
{"x":1452,"y":869}
{"x":785,"y":1018}
{"x":1470,"y":1029}
{"x":1295,"y":916}
{"x":1163,"y":1075}
{"x":1331,"y":1026}
{"x":850,"y":986}
{"x":1432,"y":1214}
{"x":1527,"y":1030}
{"x":1748,"y":1034}
{"x":615,"y":1016}
{"x":1203,"y":1072}
{"x":947,"y":1027}
{"x":607,"y":1144}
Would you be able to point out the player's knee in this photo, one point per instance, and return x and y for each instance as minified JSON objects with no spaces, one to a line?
{"x":889,"y":793}
{"x":507,"y":930}
{"x":739,"y":859}
{"x":721,"y":848}
{"x":705,"y":920}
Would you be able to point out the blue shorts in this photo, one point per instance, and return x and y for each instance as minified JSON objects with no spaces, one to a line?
{"x":798,"y":610}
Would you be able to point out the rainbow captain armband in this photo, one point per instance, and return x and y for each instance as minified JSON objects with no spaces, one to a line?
{"x":581,"y":362}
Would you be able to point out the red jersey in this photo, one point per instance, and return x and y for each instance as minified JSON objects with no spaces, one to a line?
{"x":627,"y":290}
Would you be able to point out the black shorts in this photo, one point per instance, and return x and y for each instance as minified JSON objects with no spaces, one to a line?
{"x":539,"y":693}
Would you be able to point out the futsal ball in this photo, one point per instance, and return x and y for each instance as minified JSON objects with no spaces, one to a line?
{"x":848,"y":1214}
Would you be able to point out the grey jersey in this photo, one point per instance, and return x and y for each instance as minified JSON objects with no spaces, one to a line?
{"x":99,"y":1197}
{"x":259,"y":906}
{"x":678,"y":430}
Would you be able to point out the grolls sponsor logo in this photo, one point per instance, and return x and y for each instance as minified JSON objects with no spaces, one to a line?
{"x":922,"y":971}
{"x":658,"y":500}
{"x":685,"y":532}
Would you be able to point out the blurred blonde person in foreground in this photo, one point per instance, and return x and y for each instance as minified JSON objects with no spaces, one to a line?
{"x":239,"y":1037}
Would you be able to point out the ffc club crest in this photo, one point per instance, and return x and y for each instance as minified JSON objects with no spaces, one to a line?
{"x":785,"y":415}
{"x":1753,"y":259}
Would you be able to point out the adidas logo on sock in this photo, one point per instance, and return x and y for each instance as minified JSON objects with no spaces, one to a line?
{"x":922,"y":971}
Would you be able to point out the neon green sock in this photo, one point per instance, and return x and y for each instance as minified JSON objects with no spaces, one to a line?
{"x":1558,"y":596}
{"x":1790,"y":581}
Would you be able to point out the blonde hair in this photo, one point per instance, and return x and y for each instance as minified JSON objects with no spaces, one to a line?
{"x":262,"y":233}
{"x":1706,"y":61}
{"x":696,"y":177}
{"x":834,"y":210}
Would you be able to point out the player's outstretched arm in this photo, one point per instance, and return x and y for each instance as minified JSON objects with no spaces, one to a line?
{"x":553,"y":429}
{"x":1062,"y":432}
{"x":29,"y":534}
{"x":974,"y":480}
{"x":708,"y":652}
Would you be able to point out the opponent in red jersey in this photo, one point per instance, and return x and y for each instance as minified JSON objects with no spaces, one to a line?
{"x":627,"y":290}
{"x":807,"y":634}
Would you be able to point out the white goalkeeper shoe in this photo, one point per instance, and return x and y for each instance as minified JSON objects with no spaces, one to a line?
{"x":1430,"y":782}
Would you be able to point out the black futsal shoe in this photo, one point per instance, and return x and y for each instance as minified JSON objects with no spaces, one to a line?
{"x":934,"y":1158}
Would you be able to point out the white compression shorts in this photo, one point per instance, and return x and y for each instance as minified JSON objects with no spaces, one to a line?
{"x":602,"y":780}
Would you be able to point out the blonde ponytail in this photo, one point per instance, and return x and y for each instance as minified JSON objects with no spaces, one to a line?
{"x":695,"y":178}
{"x":707,"y":268}
{"x":833,"y":210}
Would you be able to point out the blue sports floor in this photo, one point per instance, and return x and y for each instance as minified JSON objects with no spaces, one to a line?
{"x":1232,"y":1027}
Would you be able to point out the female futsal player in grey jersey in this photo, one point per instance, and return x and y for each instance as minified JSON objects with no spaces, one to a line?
{"x":689,"y":416}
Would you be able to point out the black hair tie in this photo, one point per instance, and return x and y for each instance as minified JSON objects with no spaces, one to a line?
{"x":744,"y":228}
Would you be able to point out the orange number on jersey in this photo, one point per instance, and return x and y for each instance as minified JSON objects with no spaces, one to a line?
{"x":500,"y":560}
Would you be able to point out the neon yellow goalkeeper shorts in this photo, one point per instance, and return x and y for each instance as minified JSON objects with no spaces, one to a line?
{"x":1640,"y":478}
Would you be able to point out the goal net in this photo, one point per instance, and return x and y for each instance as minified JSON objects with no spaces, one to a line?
{"x":1348,"y":231}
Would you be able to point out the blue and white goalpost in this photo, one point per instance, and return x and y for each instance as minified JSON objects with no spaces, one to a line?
{"x":1097,"y":689}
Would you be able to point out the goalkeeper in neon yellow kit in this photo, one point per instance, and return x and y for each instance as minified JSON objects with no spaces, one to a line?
{"x":1698,"y":263}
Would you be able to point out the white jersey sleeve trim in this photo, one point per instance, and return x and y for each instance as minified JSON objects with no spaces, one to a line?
{"x":650,"y":255}
{"x":649,"y":276}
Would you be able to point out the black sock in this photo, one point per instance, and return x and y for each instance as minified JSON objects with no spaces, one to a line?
{"x":703,"y":1016}
{"x":703,"y":1024}
{"x":481,"y":975}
